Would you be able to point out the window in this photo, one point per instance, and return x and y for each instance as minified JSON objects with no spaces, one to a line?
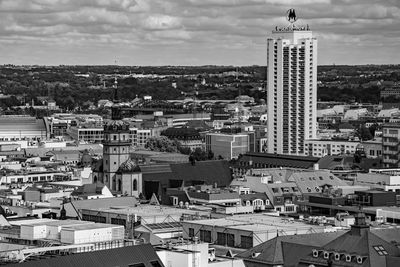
{"x":191,"y":232}
{"x":118,"y":221}
{"x":221,"y":238}
{"x":230,"y":240}
{"x":94,"y":218}
{"x":205,"y":236}
{"x":137,"y":265}
{"x":155,"y":263}
{"x":246,"y":241}
{"x":134,"y":186}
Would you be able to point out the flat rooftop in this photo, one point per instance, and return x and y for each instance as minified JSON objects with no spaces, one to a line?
{"x":61,"y":223}
{"x":30,"y":221}
{"x":91,"y":226}
{"x":11,"y":247}
{"x":385,"y":208}
{"x":151,"y":210}
{"x":258,"y":223}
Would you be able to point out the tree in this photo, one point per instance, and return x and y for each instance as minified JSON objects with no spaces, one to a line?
{"x":161,"y":144}
{"x":373,"y":128}
{"x":210,"y":155}
{"x":363,"y":133}
{"x":199,"y":154}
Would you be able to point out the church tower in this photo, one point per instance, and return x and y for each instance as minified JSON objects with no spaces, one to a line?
{"x":116,"y":145}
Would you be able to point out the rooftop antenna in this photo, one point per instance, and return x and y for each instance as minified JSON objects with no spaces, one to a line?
{"x":115,"y":86}
{"x":116,"y":108}
{"x":238,"y":101}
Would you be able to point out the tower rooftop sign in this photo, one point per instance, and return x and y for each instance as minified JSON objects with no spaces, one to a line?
{"x":292,"y":18}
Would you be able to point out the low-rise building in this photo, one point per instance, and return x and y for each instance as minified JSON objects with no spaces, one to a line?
{"x":228,"y":146}
{"x":86,"y":133}
{"x":187,"y":137}
{"x":14,"y":128}
{"x":321,"y":148}
{"x":246,"y":231}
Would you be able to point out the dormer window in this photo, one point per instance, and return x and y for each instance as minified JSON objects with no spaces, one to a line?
{"x":315,"y":253}
{"x":348,"y":258}
{"x":337,"y":256}
{"x":359,"y":259}
{"x":326,"y":255}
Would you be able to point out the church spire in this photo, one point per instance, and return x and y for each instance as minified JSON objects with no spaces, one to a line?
{"x":116,"y":113}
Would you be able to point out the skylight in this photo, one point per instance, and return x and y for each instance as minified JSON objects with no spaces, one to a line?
{"x":380,"y":250}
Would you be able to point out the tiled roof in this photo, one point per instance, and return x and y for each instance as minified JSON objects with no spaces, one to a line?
{"x":123,"y":257}
{"x":363,"y":245}
{"x":271,"y":250}
{"x":277,"y":160}
{"x":209,"y":172}
{"x":329,"y":162}
{"x":314,"y":181}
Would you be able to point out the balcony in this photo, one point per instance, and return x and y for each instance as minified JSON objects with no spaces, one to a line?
{"x":390,"y":135}
{"x":391,"y":161}
{"x":390,"y":144}
{"x":390,"y":152}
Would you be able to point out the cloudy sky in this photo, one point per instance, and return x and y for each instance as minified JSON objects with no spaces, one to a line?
{"x":191,"y":32}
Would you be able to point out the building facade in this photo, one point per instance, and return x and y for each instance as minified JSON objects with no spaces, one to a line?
{"x":292,"y":89}
{"x":390,"y":145}
{"x":228,"y":146}
{"x":321,"y":148}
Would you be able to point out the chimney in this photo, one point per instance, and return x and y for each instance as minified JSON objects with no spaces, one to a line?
{"x":360,"y":226}
{"x":316,"y":167}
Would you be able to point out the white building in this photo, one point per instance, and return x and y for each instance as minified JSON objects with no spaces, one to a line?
{"x":321,"y":148}
{"x":292,"y":89}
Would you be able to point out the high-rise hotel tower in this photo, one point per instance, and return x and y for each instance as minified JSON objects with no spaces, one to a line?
{"x":292,"y":88}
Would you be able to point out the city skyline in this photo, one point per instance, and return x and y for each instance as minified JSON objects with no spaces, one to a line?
{"x":206,"y":32}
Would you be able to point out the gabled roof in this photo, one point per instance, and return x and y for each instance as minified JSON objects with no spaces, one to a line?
{"x":271,"y":250}
{"x":88,"y":189}
{"x":207,"y":172}
{"x":363,"y":245}
{"x":329,"y":162}
{"x":123,"y":257}
{"x":277,"y":160}
{"x":314,"y":181}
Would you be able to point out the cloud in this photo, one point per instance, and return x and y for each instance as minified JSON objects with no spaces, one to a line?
{"x":161,"y":29}
{"x":161,"y":22}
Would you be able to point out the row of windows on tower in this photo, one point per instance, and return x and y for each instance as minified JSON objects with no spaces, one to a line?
{"x":114,"y":137}
{"x":109,"y":150}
